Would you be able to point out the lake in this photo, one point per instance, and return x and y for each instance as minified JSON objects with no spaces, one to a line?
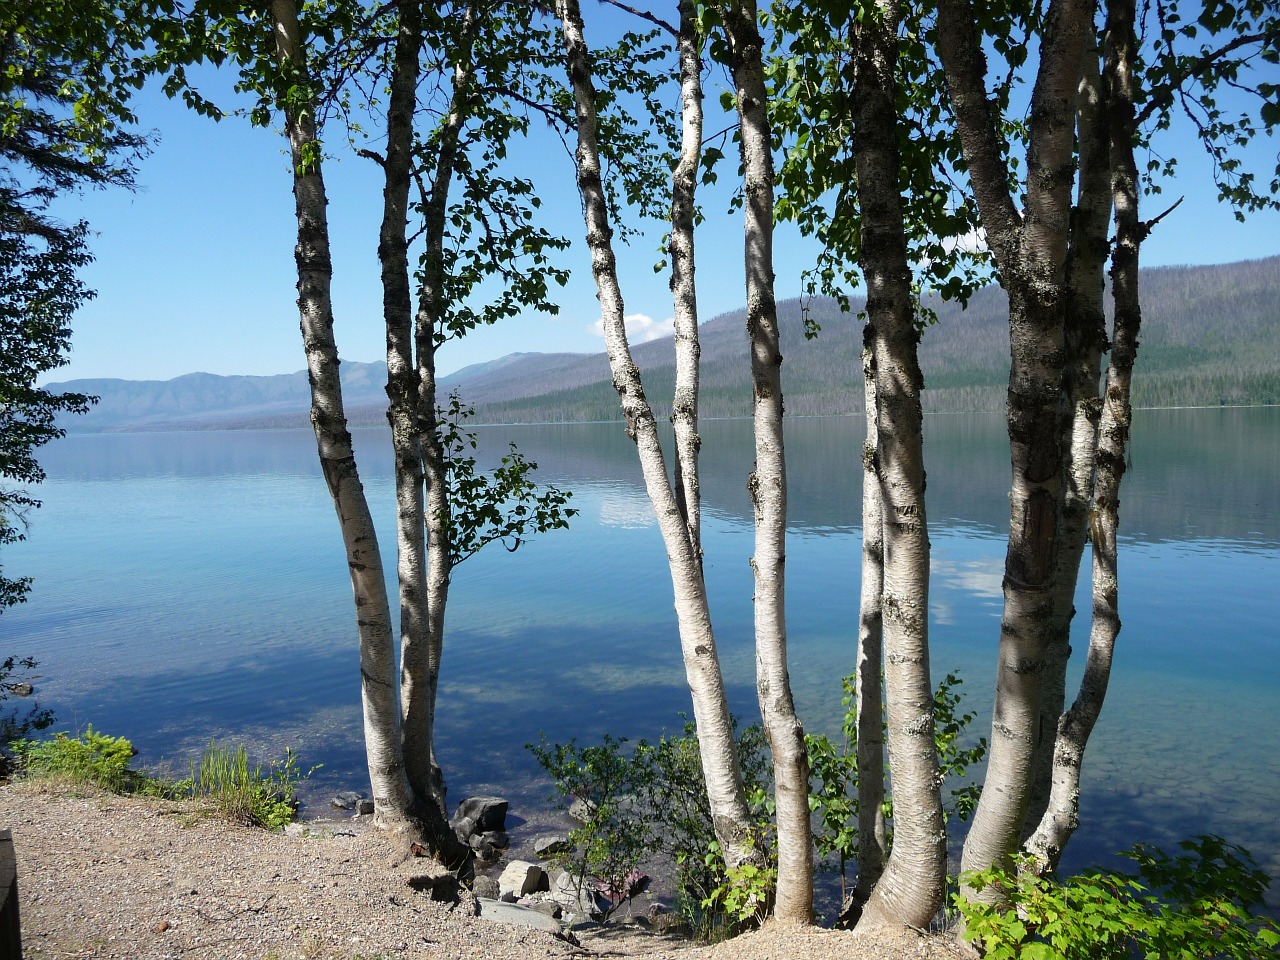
{"x":192,"y":585}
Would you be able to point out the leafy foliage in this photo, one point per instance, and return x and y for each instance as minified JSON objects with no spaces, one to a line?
{"x":746,"y":892}
{"x":39,"y":291}
{"x":615,"y":835}
{"x":505,"y":505}
{"x":1211,"y":65}
{"x":90,"y":759}
{"x":651,"y":801}
{"x":64,"y":125}
{"x":812,"y":105}
{"x":686,"y":832}
{"x":1198,"y":905}
{"x":240,"y":791}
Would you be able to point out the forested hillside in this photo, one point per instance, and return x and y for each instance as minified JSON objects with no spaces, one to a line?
{"x":1211,"y":336}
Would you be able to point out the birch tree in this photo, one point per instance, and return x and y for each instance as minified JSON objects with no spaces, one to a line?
{"x":395,"y":803}
{"x":1064,"y":435}
{"x":445,"y":510}
{"x":910,"y":889}
{"x":478,"y":44}
{"x":768,"y":482}
{"x":1112,"y":122}
{"x":1029,"y":247}
{"x":849,"y":96}
{"x":731,"y":818}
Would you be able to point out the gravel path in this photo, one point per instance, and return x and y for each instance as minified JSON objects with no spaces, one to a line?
{"x":119,"y":877}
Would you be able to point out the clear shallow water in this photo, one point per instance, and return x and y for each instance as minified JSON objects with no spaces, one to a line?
{"x":192,"y":585}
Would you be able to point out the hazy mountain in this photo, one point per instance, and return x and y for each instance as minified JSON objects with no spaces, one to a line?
{"x":1210,"y":336}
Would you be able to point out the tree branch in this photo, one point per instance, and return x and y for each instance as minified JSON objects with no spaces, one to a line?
{"x":1162,"y":96}
{"x":649,"y":17}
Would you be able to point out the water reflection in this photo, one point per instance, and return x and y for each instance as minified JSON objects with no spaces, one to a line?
{"x":192,"y":585}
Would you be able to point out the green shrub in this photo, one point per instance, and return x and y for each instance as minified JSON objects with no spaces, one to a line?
{"x":92,"y":758}
{"x":677,"y":794}
{"x":745,"y":895}
{"x":240,"y":792}
{"x":244,"y":793}
{"x":650,"y":801}
{"x":613,"y":837}
{"x":1200,"y":905}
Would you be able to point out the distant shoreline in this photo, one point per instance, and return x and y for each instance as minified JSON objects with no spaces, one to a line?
{"x":171,"y":428}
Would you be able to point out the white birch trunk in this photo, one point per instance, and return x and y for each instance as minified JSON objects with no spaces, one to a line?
{"x":418,"y":614}
{"x":402,"y":385}
{"x":421,"y":677}
{"x":684,"y":406}
{"x":730,"y":816}
{"x":1085,"y":340}
{"x":392,"y":794}
{"x":1074,"y":728}
{"x":910,"y":890}
{"x":1030,"y":251}
{"x":867,"y":688}
{"x":768,"y":484}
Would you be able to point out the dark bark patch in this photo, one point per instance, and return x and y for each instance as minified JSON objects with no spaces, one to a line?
{"x":1033,"y":564}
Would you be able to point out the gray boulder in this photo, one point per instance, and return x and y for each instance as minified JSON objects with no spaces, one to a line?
{"x":500,"y":912}
{"x":549,"y":907}
{"x":550,"y":846}
{"x":487,"y":888}
{"x":483,"y":849}
{"x":577,"y":898}
{"x":498,"y":838}
{"x":520,"y":877}
{"x":581,"y":809}
{"x":346,"y":800}
{"x":487,"y":813}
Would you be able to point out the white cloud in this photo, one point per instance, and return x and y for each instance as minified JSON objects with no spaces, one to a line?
{"x":975,"y":241}
{"x":631,"y":512}
{"x":640,"y":328}
{"x":981,"y":578}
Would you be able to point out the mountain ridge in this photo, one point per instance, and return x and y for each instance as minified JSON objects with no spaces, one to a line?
{"x":1211,"y":336}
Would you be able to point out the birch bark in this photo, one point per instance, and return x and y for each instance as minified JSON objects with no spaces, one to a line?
{"x":684,"y":407}
{"x":768,"y":484}
{"x":1075,"y":726}
{"x":730,"y":816}
{"x":867,"y":687}
{"x":422,"y":671}
{"x":1085,"y":340}
{"x":911,"y":888}
{"x":1030,"y":251}
{"x":402,"y":380}
{"x":392,"y":793}
{"x":412,"y":416}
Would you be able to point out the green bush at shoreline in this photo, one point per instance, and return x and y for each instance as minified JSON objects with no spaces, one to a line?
{"x":224,"y":777}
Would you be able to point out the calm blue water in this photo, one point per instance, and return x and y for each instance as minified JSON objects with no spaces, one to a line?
{"x":192,"y":585}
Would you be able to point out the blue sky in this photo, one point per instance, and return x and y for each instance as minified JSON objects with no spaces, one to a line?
{"x":195,"y":271}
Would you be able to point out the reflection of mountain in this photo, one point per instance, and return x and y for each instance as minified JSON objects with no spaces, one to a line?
{"x":1210,"y":337}
{"x":1196,"y":474}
